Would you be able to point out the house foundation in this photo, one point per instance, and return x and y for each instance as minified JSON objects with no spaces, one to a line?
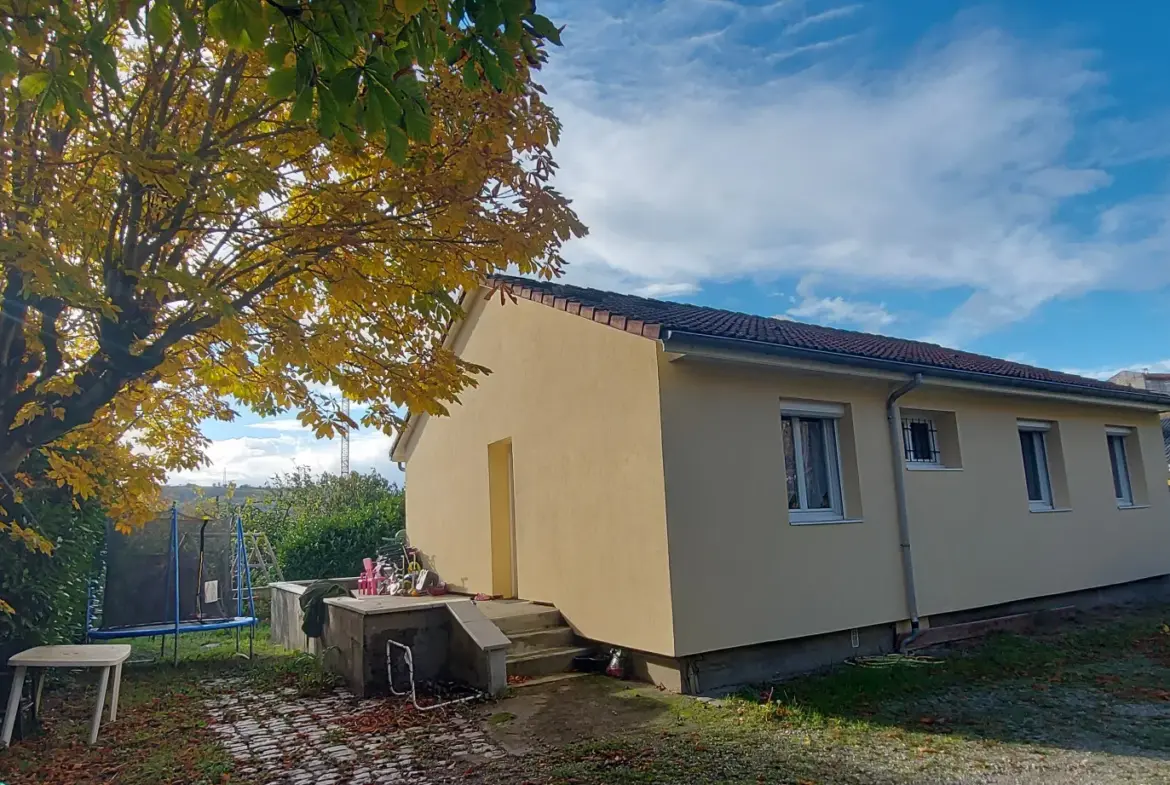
{"x":724,"y":671}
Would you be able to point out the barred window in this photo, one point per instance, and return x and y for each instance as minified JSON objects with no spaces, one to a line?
{"x":920,"y":441}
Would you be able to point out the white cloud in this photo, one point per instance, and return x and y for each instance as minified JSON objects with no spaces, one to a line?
{"x":254,"y":460}
{"x":869,"y":317}
{"x":954,"y":170}
{"x":817,"y":46}
{"x":277,"y":425}
{"x":666,"y":289}
{"x":824,"y":16}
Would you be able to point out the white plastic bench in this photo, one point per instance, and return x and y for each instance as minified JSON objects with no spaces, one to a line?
{"x":104,"y":656}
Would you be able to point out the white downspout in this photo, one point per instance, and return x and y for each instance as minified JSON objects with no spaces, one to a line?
{"x":895,"y":420}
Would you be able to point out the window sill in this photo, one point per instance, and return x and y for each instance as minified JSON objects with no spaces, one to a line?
{"x":824,"y":521}
{"x":927,"y":468}
{"x":1051,"y":509}
{"x":1133,"y":506}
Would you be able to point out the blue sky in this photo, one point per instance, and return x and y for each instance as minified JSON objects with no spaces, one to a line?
{"x":990,"y":176}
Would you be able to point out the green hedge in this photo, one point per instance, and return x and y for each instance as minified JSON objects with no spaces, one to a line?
{"x":323,"y":526}
{"x":333,"y":545}
{"x":49,"y":591}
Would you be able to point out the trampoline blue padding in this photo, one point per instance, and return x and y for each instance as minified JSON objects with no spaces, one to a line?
{"x":168,"y":628}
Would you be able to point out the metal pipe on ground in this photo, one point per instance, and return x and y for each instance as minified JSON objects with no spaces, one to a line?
{"x":408,"y":656}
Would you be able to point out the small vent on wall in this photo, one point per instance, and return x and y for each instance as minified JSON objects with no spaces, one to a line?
{"x":854,"y":640}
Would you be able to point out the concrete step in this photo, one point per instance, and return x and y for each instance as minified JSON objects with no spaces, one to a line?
{"x":538,"y":640}
{"x":544,"y":663}
{"x":530,"y":619}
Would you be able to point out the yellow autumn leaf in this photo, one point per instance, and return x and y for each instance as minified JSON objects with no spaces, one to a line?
{"x":269,"y":264}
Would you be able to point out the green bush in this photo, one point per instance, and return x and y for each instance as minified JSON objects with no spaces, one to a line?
{"x":333,"y":545}
{"x":293,"y":499}
{"x":322,"y":527}
{"x":48,"y":592}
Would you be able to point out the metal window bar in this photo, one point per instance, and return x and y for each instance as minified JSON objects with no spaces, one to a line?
{"x":920,"y":440}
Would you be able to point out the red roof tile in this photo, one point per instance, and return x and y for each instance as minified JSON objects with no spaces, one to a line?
{"x":845,"y":344}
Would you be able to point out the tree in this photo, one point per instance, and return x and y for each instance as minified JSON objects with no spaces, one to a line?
{"x":353,"y":59}
{"x":187,"y":216}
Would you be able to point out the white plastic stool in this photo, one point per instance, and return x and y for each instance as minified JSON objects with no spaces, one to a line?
{"x":104,"y":656}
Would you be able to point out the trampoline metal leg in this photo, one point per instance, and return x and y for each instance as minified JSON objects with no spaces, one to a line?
{"x":251,"y":639}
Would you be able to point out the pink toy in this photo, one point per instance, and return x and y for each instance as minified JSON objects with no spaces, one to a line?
{"x":367,"y":583}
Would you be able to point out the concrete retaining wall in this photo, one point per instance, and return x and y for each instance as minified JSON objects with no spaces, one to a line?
{"x":449,"y":639}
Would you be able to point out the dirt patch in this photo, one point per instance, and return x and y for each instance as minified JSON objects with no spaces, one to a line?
{"x":565,"y":712}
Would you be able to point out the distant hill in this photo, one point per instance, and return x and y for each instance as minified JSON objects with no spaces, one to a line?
{"x":183,"y":494}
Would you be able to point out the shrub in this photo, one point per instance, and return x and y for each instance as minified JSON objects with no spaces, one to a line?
{"x":48,"y":592}
{"x":333,"y":544}
{"x":295,"y":498}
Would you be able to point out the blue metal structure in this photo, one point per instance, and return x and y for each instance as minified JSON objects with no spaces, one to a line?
{"x":242,"y":582}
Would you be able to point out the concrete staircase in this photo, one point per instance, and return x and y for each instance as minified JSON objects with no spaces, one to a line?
{"x":542,"y":644}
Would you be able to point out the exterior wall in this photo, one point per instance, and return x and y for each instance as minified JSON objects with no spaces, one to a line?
{"x":742,"y":575}
{"x":975,"y":541}
{"x":579,"y":402}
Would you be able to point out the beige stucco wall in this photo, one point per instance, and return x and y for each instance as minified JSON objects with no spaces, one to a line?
{"x":741,"y":574}
{"x":976,"y":542}
{"x":580,"y":403}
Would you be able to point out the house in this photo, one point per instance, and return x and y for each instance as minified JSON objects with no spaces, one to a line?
{"x":1143,"y":380}
{"x":731,"y":496}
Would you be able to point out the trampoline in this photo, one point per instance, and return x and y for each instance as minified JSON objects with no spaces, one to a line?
{"x":157,"y":586}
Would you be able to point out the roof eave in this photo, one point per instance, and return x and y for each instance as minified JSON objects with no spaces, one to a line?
{"x":682,"y":342}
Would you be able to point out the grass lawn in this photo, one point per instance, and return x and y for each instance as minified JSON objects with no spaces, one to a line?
{"x":1090,"y":704}
{"x":161,"y":735}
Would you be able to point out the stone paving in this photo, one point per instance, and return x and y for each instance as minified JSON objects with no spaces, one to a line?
{"x":278,"y":738}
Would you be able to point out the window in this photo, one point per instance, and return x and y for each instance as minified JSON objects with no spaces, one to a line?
{"x":920,"y":441}
{"x":812,"y":468}
{"x":1035,"y":451}
{"x":1122,"y":486}
{"x":930,"y":439}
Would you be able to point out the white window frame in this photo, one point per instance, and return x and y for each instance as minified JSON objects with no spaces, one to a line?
{"x":1040,"y":429}
{"x":829,"y":413}
{"x":907,"y":444}
{"x":1117,"y":441}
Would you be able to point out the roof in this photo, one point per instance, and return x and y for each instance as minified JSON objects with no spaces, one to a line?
{"x":681,"y":321}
